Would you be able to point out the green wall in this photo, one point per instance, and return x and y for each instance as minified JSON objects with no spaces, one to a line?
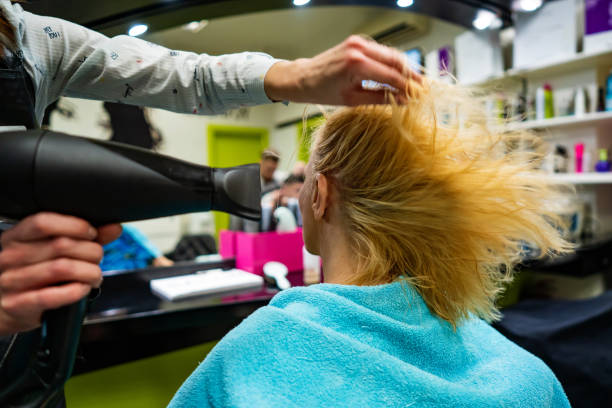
{"x":233,"y":146}
{"x":305,"y":130}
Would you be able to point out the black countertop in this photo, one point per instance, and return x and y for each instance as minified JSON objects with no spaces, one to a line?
{"x":127,"y":322}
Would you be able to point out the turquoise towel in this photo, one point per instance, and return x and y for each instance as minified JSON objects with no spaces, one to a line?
{"x":375,"y":346}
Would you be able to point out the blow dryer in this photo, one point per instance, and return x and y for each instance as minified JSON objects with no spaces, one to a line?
{"x":105,"y":182}
{"x":101,"y":182}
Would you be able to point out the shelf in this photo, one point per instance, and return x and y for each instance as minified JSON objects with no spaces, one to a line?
{"x":555,"y":67}
{"x":595,"y":118}
{"x":584,"y":178}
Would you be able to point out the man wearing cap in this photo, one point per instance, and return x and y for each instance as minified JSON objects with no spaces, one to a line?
{"x":269,"y":163}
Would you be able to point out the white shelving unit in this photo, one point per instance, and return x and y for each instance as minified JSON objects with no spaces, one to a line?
{"x":584,"y":178}
{"x":556,"y":67}
{"x":588,"y":119}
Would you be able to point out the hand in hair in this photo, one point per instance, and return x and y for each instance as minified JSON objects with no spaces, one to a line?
{"x":334,"y":77}
{"x":48,"y":261}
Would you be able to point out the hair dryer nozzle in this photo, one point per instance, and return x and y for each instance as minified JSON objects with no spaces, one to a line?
{"x":238,"y":191}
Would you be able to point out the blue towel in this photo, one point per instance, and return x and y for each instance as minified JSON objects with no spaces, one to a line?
{"x":375,"y":346}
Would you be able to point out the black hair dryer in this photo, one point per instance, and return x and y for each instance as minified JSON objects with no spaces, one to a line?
{"x":101,"y":182}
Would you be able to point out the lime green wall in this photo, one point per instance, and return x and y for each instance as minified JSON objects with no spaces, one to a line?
{"x":146,"y":383}
{"x":233,"y":146}
{"x":304,"y":135}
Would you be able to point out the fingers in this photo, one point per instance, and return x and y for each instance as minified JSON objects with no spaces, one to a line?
{"x":49,"y":273}
{"x":109,"y":233}
{"x":29,"y":253}
{"x":369,"y":60}
{"x":389,"y":57}
{"x":27,"y":307}
{"x":376,"y":71}
{"x":48,"y":260}
{"x":44,"y":225}
{"x":162,"y":261}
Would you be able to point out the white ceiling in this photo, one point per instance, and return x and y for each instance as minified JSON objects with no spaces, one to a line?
{"x":289,"y":34}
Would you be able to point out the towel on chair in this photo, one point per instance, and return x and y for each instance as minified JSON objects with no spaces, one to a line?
{"x":365,"y":346}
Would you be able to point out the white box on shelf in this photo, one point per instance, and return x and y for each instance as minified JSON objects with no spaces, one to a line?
{"x":432,"y":64}
{"x":597,"y":25}
{"x":478,"y":56}
{"x":549,"y":34}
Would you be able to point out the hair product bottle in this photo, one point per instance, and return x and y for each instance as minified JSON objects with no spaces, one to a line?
{"x":609,"y":92}
{"x":602,"y":164}
{"x":579,"y":152}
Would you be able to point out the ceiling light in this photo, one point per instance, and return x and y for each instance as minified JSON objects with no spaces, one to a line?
{"x":138,"y":29}
{"x":195,"y":26}
{"x":405,"y":3}
{"x":486,"y":19}
{"x":527,"y":5}
{"x":300,"y":2}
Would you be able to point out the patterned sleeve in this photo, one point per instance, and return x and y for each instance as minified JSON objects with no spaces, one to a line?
{"x":67,"y":59}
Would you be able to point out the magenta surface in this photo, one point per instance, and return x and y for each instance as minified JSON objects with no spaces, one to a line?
{"x":253,"y":250}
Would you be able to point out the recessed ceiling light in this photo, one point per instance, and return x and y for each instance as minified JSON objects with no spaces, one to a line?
{"x":405,"y":3}
{"x":195,"y":26}
{"x":300,"y":2}
{"x":486,"y":19}
{"x":527,"y":5}
{"x":138,"y":29}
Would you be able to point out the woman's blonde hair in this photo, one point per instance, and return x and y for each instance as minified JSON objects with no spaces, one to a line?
{"x":432,"y":192}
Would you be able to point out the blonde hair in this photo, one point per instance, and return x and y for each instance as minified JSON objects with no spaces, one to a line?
{"x":430,"y":191}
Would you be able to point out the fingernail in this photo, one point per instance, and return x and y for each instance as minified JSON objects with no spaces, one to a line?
{"x":92,"y":232}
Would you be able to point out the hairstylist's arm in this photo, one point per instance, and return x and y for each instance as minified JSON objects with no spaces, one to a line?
{"x":334,"y":77}
{"x":47,"y":261}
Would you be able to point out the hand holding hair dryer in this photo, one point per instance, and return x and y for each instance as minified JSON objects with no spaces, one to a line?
{"x":101,"y":182}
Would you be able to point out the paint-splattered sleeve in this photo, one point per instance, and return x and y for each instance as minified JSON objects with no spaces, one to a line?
{"x":74,"y":61}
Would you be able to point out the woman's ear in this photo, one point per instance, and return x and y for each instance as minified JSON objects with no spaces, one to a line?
{"x":320,"y":197}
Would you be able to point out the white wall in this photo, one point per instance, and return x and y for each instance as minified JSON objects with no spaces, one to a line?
{"x":185,"y":135}
{"x":441,"y":34}
{"x":285,"y":141}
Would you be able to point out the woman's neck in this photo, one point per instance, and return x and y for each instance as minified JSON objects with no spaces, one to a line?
{"x":338,"y":259}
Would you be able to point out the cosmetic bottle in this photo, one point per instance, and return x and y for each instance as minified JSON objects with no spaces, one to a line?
{"x":580,"y":101}
{"x":579,"y":151}
{"x":521,"y":105}
{"x":549,"y":110}
{"x":531,"y":109}
{"x":560,"y":159}
{"x":601,"y":100}
{"x":587,"y":161}
{"x":539,"y":104}
{"x":602,"y":165}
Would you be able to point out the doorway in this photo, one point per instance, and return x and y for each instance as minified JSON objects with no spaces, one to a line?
{"x":233,"y":146}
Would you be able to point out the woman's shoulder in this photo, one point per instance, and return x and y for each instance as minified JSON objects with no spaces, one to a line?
{"x":251,"y":365}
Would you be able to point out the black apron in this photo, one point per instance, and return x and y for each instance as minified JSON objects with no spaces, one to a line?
{"x":17,"y":97}
{"x":17,"y":109}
